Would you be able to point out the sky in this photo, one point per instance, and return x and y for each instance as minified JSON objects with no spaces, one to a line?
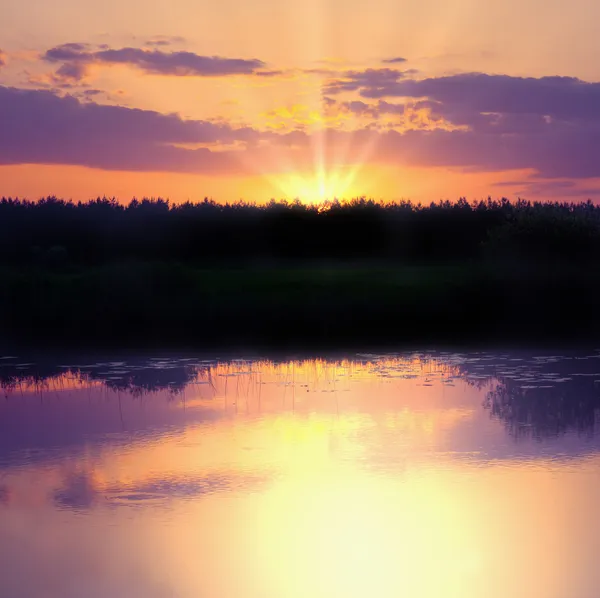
{"x":399,"y":99}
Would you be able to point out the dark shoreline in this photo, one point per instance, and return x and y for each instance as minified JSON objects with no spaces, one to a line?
{"x":161,"y":306}
{"x":294,"y":277}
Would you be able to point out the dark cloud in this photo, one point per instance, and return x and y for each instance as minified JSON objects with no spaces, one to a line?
{"x":369,"y":79}
{"x":397,"y":60}
{"x":156,"y":62}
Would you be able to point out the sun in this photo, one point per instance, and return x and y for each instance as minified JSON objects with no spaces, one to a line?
{"x":320,"y":186}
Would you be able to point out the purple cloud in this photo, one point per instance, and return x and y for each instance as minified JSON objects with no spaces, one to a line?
{"x":273,"y":73}
{"x":164,"y":40}
{"x":371,"y":79}
{"x":558,"y":151}
{"x":325,"y":72}
{"x":550,"y":124}
{"x":363,"y":109}
{"x":158,"y":43}
{"x":39,"y":127}
{"x":70,"y":51}
{"x":563,"y":98}
{"x":548,"y":188}
{"x":73,"y":71}
{"x":156,"y":62}
{"x":360,"y":108}
{"x":87,"y":95}
{"x":384,"y":107}
{"x":556,"y":137}
{"x":397,"y":60}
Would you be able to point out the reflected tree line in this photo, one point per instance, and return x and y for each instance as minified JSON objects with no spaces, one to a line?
{"x":537,"y":408}
{"x":542,"y":407}
{"x":545,"y":412}
{"x":137,"y":382}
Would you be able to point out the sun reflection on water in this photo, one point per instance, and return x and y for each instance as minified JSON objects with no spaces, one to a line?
{"x":378,"y":475}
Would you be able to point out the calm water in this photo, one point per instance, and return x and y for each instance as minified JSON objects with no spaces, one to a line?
{"x":418,"y":475}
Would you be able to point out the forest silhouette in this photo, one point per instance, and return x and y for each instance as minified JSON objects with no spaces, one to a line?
{"x":288,"y":274}
{"x":53,"y":232}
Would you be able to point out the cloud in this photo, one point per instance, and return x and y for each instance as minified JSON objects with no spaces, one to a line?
{"x":325,"y":72}
{"x":273,"y":73}
{"x":548,"y":188}
{"x":39,"y":127}
{"x":397,"y":60}
{"x":549,"y":126}
{"x":70,"y":51}
{"x":3,"y":59}
{"x":74,"y":71}
{"x":165,"y":40}
{"x":155,"y":62}
{"x":87,"y":95}
{"x":479,"y":93}
{"x":92,"y":92}
{"x":361,"y":108}
{"x":158,"y":43}
{"x":369,"y":79}
{"x":557,"y":151}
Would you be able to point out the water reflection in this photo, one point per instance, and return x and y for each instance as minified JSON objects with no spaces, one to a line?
{"x":324,"y":477}
{"x":81,"y":491}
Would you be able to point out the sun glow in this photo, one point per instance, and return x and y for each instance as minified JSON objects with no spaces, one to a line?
{"x":319,"y":186}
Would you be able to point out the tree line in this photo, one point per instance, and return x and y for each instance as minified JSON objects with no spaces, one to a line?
{"x":54,"y":232}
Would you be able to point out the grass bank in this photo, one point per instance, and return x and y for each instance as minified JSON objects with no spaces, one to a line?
{"x":158,"y":304}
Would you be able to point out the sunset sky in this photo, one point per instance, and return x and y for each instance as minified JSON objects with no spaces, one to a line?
{"x":269,"y":99}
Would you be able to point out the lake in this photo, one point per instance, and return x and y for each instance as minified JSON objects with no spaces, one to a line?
{"x":421,"y":474}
